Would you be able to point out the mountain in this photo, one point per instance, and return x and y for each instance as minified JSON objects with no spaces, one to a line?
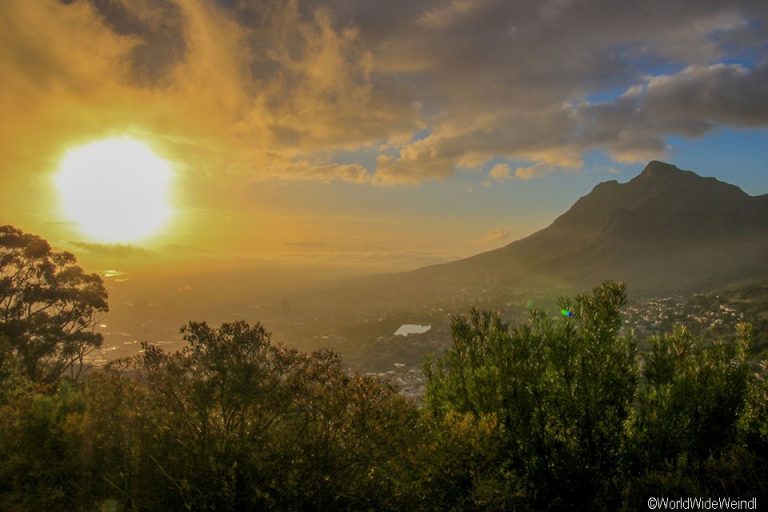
{"x":665,"y":230}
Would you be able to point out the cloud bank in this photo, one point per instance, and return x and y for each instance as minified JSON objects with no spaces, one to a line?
{"x":278,"y":90}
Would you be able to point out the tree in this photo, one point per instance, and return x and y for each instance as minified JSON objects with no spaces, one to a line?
{"x":236,"y":422}
{"x":561,"y":389}
{"x":48,"y":306}
{"x":577,"y":419}
{"x":696,"y":424}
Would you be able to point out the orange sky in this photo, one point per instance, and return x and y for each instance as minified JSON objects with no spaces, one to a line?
{"x":364,"y":136}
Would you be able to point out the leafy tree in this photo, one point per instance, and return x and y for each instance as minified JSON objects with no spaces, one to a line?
{"x":692,"y":395}
{"x":462,"y":465}
{"x":582,"y":421}
{"x":10,"y":372}
{"x":235,"y":422}
{"x":48,"y":306}
{"x":562,"y":390}
{"x":698,"y":418}
{"x":40,"y":449}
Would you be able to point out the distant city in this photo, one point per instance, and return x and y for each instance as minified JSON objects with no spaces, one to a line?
{"x":373,"y":347}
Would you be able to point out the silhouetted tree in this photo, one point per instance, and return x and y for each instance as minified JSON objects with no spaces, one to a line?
{"x":48,"y":306}
{"x":235,"y":422}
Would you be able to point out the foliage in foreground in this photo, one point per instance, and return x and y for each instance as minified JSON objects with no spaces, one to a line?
{"x":556,"y":413}
{"x":233,"y":422}
{"x":584,"y":422}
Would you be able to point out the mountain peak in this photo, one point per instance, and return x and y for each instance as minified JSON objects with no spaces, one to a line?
{"x":656,"y":169}
{"x":665,"y":229}
{"x":664,"y":205}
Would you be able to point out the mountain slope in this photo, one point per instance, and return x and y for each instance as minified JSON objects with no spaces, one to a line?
{"x":667,"y":229}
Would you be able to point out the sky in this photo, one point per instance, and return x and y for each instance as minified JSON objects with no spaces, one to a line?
{"x":372,"y":135}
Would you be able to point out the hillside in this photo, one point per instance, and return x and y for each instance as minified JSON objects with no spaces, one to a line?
{"x":665,"y":230}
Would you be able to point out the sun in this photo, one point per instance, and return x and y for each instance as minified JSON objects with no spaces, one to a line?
{"x":115,"y":190}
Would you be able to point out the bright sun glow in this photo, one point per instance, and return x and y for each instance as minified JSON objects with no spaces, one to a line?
{"x":116,"y":190}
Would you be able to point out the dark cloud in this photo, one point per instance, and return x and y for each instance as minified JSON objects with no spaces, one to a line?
{"x":499,"y":76}
{"x":159,"y":27}
{"x":699,"y":96}
{"x":689,"y":103}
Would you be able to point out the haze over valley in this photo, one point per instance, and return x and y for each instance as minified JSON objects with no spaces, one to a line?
{"x":663,"y":231}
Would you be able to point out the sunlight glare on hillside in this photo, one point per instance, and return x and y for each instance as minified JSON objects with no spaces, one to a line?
{"x":115,"y":190}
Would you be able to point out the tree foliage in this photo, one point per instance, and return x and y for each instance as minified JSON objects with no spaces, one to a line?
{"x":48,"y":306}
{"x":584,"y":421}
{"x":232,"y":422}
{"x":555,"y":413}
{"x":562,"y":390}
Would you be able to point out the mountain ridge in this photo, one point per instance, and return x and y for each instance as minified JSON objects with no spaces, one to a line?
{"x":665,"y":229}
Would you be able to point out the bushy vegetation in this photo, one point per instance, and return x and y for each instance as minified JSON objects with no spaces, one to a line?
{"x":557,"y":413}
{"x":233,"y":422}
{"x":583,"y":421}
